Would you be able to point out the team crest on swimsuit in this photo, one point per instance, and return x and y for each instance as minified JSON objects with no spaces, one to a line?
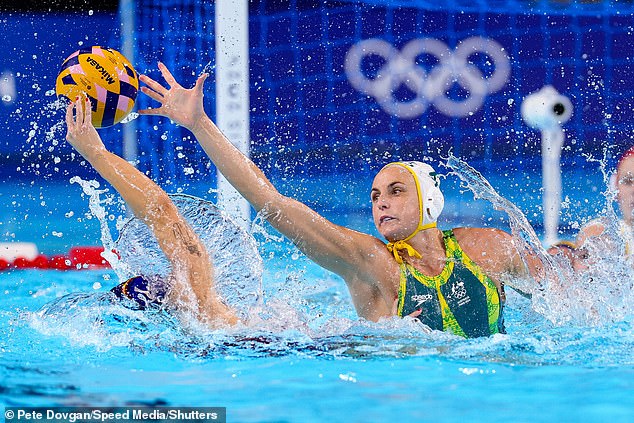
{"x":459,"y":292}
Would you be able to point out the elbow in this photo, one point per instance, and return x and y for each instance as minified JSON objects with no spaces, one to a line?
{"x":273,"y":207}
{"x":158,"y":206}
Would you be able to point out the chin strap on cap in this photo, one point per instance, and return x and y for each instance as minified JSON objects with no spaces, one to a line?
{"x":395,"y":247}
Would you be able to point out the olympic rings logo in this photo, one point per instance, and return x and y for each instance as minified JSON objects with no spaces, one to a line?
{"x":429,"y":87}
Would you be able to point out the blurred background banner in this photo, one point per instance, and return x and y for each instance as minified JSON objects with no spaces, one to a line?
{"x":343,"y":87}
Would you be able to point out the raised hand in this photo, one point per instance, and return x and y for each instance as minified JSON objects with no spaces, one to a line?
{"x":183,"y":106}
{"x":81,"y":133}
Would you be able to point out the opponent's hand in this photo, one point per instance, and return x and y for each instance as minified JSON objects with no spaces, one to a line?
{"x":183,"y":106}
{"x":415,"y":313}
{"x":81,"y":133}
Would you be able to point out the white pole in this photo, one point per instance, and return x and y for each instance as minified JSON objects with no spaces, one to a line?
{"x":552,"y":142}
{"x":232,"y":92}
{"x":547,"y":110}
{"x":126,"y":13}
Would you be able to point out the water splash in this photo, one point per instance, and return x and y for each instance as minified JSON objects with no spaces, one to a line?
{"x":97,"y":208}
{"x":130,"y":117}
{"x":321,"y":324}
{"x":600,"y":295}
{"x":35,"y":144}
{"x":609,"y":193}
{"x":208,"y":68}
{"x":521,"y":229}
{"x":237,"y":262}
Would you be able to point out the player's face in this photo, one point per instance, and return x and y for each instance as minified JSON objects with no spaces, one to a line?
{"x":625,"y":188}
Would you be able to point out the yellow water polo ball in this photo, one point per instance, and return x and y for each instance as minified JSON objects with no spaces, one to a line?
{"x":106,"y":77}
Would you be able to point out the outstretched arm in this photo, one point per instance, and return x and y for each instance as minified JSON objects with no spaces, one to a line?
{"x":190,"y":261}
{"x":331,"y":246}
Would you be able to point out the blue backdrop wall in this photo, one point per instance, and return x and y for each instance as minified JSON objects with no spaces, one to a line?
{"x":310,"y":109}
{"x":342,"y":87}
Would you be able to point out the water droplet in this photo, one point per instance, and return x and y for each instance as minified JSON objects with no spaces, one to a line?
{"x":7,"y":98}
{"x":131,"y":116}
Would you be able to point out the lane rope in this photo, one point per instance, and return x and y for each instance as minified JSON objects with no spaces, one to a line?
{"x":24,"y":255}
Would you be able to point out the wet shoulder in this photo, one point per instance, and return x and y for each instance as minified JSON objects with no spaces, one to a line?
{"x":476,"y":242}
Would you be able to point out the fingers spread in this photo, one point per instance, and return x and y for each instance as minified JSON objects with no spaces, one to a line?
{"x":152,"y":94}
{"x":69,"y":115}
{"x":88,"y":113}
{"x":167,"y":75}
{"x":158,"y":88}
{"x":79,"y":115}
{"x":150,"y":111}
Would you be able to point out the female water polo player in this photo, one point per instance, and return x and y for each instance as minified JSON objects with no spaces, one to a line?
{"x":595,"y":231}
{"x":191,"y":282}
{"x":451,"y":280}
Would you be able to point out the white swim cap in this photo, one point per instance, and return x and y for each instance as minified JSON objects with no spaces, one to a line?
{"x":430,"y":198}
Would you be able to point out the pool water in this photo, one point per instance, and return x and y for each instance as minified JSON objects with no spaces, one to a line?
{"x":307,"y":358}
{"x":339,"y":369}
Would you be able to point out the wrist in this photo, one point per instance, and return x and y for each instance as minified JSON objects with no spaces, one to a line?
{"x":201,"y":125}
{"x":93,"y":153}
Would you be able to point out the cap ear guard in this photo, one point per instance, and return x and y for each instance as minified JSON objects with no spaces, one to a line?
{"x":429,"y":184}
{"x":433,"y":204}
{"x":431,"y":198}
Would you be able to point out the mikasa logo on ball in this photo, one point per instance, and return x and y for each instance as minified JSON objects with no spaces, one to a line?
{"x":104,"y":73}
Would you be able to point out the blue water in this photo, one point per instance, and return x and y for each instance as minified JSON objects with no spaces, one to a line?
{"x":349,"y":372}
{"x":309,"y":359}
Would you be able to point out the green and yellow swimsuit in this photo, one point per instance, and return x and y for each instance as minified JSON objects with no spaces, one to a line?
{"x":462,"y":299}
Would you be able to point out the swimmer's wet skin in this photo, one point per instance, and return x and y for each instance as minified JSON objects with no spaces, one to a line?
{"x":153,"y":206}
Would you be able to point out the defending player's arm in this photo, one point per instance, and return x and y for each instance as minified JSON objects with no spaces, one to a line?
{"x":331,"y":246}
